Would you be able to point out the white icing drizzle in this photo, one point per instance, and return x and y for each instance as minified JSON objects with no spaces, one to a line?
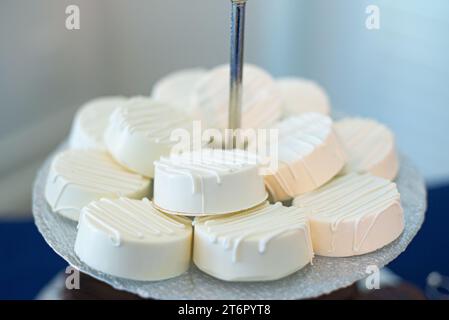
{"x":199,"y":165}
{"x":351,"y":197}
{"x":132,"y":219}
{"x":93,"y":171}
{"x":301,"y":135}
{"x":154,"y":120}
{"x":298,"y":137}
{"x":367,"y":142}
{"x":264,"y":224}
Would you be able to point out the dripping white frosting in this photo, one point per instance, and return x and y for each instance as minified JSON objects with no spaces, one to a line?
{"x":263,"y":224}
{"x":93,"y":171}
{"x":309,"y":155}
{"x":208,"y":181}
{"x":301,"y":135}
{"x":125,"y":218}
{"x":350,"y":198}
{"x":205,"y":163}
{"x":154,"y":120}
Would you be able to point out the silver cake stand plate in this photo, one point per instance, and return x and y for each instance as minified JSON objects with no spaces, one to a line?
{"x":324,"y":276}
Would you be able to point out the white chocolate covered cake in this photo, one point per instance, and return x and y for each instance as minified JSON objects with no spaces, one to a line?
{"x":139,"y":133}
{"x":301,"y":95}
{"x":91,"y":121}
{"x":78,"y":177}
{"x":352,"y":215}
{"x":309,"y":156}
{"x":130,"y":239}
{"x":175,"y":88}
{"x":210,"y":181}
{"x":261,"y":105}
{"x":257,"y":245}
{"x":370,"y":147}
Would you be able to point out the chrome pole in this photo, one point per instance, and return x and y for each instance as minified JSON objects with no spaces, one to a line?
{"x":236,"y":73}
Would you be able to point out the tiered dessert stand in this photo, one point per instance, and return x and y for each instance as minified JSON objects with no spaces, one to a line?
{"x":323,"y":276}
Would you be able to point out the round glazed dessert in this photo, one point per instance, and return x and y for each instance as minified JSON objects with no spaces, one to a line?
{"x":91,"y":121}
{"x":261,"y":101}
{"x":301,"y":95}
{"x":78,"y":177}
{"x":353,"y":215}
{"x":258,"y":245}
{"x":176,"y":88}
{"x":140,"y":131}
{"x":370,"y":147}
{"x":130,"y":239}
{"x":210,"y":181}
{"x":309,"y":155}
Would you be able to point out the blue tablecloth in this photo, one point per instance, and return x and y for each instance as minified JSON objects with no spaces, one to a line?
{"x":27,"y":263}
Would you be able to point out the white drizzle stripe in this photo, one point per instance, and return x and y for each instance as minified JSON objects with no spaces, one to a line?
{"x":115,"y":237}
{"x":301,"y":135}
{"x":101,"y":184}
{"x":154,"y":120}
{"x":357,"y":191}
{"x":258,"y":226}
{"x":350,"y":198}
{"x":192,"y":169}
{"x":169,"y":169}
{"x":265,"y":224}
{"x":135,"y":219}
{"x":208,"y":162}
{"x":261,"y":99}
{"x":211,"y":162}
{"x":57,"y":208}
{"x":96,"y":171}
{"x":158,"y":220}
{"x":366,"y":140}
{"x":117,"y":222}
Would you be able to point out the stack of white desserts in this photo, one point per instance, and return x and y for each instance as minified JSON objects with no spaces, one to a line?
{"x":145,"y":212}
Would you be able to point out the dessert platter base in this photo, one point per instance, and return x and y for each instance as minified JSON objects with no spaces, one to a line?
{"x":324,"y":276}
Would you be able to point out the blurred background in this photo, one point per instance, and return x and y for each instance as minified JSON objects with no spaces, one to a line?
{"x":398,"y":74}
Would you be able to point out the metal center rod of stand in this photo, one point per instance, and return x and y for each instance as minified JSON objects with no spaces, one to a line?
{"x":236,"y":73}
